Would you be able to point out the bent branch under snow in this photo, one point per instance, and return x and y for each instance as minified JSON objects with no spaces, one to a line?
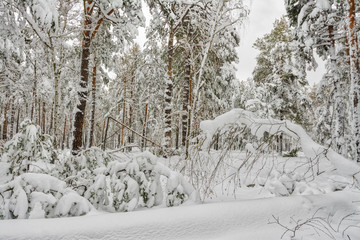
{"x":259,"y":126}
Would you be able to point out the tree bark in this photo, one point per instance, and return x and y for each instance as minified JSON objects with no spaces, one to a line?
{"x":34,"y":93}
{"x":56,"y":95}
{"x":17,"y":120}
{"x":354,"y":75}
{"x":51,"y":119}
{"x":131,"y":111}
{"x":124,"y":114}
{"x":5,"y":123}
{"x":338,"y":97}
{"x":39,"y":113}
{"x":143,"y":142}
{"x":169,"y":87}
{"x":43,"y":118}
{"x":185,"y":104}
{"x":82,"y":92}
{"x":64,"y":135}
{"x":186,"y":107}
{"x":93,"y":105}
{"x":12,"y":118}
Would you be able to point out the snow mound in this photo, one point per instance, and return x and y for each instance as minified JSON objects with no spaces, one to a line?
{"x":34,"y":195}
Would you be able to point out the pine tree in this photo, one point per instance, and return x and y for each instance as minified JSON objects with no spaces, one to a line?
{"x":130,"y":12}
{"x":280,"y":82}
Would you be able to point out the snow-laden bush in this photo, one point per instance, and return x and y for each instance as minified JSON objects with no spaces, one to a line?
{"x":28,"y":150}
{"x":291,"y":183}
{"x":125,"y":186}
{"x":35,"y":195}
{"x":78,"y":170}
{"x":37,"y":186}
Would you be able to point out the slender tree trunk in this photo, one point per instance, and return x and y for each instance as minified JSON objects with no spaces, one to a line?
{"x":56,"y":96}
{"x":103,"y":131}
{"x":34,"y":94}
{"x":43,"y":117}
{"x":5,"y":122}
{"x":124,"y":114}
{"x":12,"y":118}
{"x":68,"y":132}
{"x":39,"y":112}
{"x":82,"y":92}
{"x":354,"y":75}
{"x":51,"y":118}
{"x":187,"y":87}
{"x":185,"y":104}
{"x":143,"y":142}
{"x":17,"y":120}
{"x":84,"y":134}
{"x":169,"y":87}
{"x":119,"y":134}
{"x":64,"y":134}
{"x":26,"y":110}
{"x":93,"y":105}
{"x":131,"y":111}
{"x":339,"y":140}
{"x":177,"y":133}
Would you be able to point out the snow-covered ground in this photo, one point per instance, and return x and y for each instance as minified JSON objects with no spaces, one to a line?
{"x":250,"y":195}
{"x":242,"y":219}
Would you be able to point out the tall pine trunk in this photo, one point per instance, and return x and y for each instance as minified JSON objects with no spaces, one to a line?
{"x":56,"y":95}
{"x":143,"y":142}
{"x":82,"y":92}
{"x":339,"y":141}
{"x":34,"y":93}
{"x":131,"y":110}
{"x":64,"y":135}
{"x":5,"y":122}
{"x":185,"y":103}
{"x":12,"y":118}
{"x":124,"y":114}
{"x":169,"y":87}
{"x":43,"y":118}
{"x":354,"y":75}
{"x":51,"y":119}
{"x":93,"y":105}
{"x":186,"y":108}
{"x":17,"y":120}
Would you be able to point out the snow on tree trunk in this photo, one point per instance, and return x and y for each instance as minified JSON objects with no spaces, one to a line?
{"x":354,"y":75}
{"x":169,"y":87}
{"x":82,"y":91}
{"x":339,"y":141}
{"x":12,"y":117}
{"x":93,"y":105}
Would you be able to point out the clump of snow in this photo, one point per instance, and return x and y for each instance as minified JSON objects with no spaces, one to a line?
{"x":323,"y":4}
{"x":34,"y":195}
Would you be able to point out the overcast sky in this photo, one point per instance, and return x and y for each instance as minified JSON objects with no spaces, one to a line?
{"x":262,"y":16}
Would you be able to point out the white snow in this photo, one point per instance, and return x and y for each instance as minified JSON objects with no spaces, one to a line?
{"x":323,"y":4}
{"x":258,"y":127}
{"x":246,"y":219}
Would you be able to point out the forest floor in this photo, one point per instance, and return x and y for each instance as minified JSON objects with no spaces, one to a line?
{"x":238,"y":219}
{"x":327,"y":207}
